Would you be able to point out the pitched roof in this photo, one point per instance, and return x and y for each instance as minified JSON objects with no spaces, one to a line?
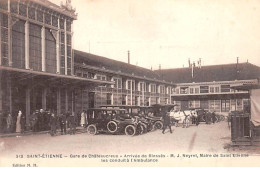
{"x":227,"y":72}
{"x":113,"y":65}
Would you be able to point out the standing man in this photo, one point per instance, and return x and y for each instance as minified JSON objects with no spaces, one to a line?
{"x":38,"y":119}
{"x":72,"y":119}
{"x":1,"y":121}
{"x":166,"y":122}
{"x":63,"y":120}
{"x":214,"y":117}
{"x":23,"y":123}
{"x":33,"y":121}
{"x":52,"y":123}
{"x":9,"y":123}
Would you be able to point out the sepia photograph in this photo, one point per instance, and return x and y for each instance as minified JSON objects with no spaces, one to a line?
{"x":129,"y":83}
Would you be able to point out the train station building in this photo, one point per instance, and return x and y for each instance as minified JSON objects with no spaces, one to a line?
{"x":39,"y":69}
{"x":36,"y":58}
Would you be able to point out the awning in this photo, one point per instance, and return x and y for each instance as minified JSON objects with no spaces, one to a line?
{"x":211,"y":96}
{"x":24,"y":76}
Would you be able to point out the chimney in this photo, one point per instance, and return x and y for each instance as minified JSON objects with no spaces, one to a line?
{"x":237,"y":60}
{"x":199,"y":62}
{"x":192,"y":69}
{"x":128,"y":52}
{"x":159,"y":66}
{"x":189,"y":63}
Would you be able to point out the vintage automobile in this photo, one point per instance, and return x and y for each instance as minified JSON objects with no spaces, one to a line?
{"x":140,"y":113}
{"x":111,"y":120}
{"x":155,"y":113}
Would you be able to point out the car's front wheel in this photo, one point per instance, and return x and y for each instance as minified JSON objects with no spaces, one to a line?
{"x":158,"y":125}
{"x":92,"y":129}
{"x":140,"y":129}
{"x":130,"y":130}
{"x":112,"y":126}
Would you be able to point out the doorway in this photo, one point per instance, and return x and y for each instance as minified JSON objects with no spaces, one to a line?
{"x":91,"y":102}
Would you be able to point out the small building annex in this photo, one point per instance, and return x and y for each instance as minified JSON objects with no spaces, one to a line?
{"x":208,"y":87}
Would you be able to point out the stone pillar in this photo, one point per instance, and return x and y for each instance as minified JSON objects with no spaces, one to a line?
{"x":73,"y":100}
{"x":0,"y":42}
{"x":44,"y":94}
{"x":72,"y":48}
{"x":66,"y":99}
{"x":1,"y":92}
{"x":65,"y":44}
{"x":58,"y":102}
{"x":27,"y":63}
{"x":58,"y":51}
{"x":131,"y":92}
{"x":43,"y":49}
{"x":9,"y":85}
{"x":28,"y":102}
{"x":10,"y":41}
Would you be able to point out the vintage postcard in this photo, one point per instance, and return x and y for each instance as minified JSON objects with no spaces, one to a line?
{"x":129,"y":83}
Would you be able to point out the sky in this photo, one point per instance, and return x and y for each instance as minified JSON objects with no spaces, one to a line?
{"x":169,"y":32}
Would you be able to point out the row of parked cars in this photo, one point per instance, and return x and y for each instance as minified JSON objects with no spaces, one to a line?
{"x":136,"y":120}
{"x":128,"y":120}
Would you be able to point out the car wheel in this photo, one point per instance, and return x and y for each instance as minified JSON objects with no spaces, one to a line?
{"x":92,"y":129}
{"x":140,"y":129}
{"x":145,"y":128}
{"x":112,"y":126}
{"x":130,"y":130}
{"x":158,"y":125}
{"x":150,"y":128}
{"x":203,"y":118}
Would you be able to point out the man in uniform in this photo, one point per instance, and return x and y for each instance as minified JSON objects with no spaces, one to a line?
{"x":33,"y":121}
{"x":166,"y":122}
{"x":72,"y":120}
{"x":23,"y":123}
{"x":63,"y":120}
{"x":53,"y":123}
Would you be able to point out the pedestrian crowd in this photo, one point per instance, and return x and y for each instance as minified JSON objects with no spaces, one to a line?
{"x":41,"y":120}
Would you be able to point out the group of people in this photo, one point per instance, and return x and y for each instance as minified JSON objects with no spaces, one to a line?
{"x":65,"y":120}
{"x":41,"y":120}
{"x":9,"y":124}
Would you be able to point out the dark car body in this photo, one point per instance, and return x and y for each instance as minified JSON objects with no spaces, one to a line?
{"x":110,"y":120}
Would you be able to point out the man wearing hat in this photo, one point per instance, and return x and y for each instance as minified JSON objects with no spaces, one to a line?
{"x":166,"y":122}
{"x":62,"y":120}
{"x":72,"y":119}
{"x":53,"y":123}
{"x":33,"y":120}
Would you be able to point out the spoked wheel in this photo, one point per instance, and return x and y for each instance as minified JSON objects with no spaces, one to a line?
{"x":149,"y":127}
{"x":203,"y":118}
{"x":217,"y":119}
{"x":158,"y":125}
{"x":141,"y":129}
{"x":92,"y":129}
{"x":145,"y":128}
{"x":112,"y":126}
{"x":222,"y":118}
{"x":130,"y":130}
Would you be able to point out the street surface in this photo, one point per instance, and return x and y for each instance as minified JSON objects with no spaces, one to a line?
{"x":204,"y":139}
